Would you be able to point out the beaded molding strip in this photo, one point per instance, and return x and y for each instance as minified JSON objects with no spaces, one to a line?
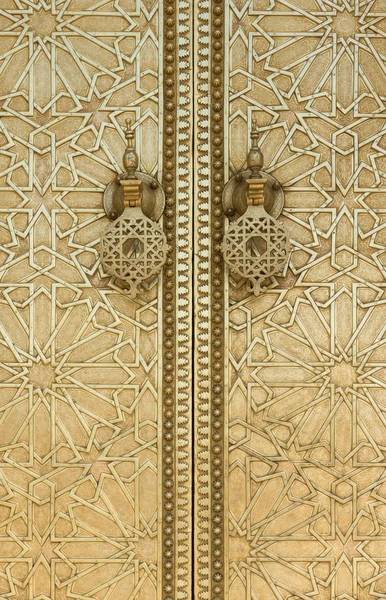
{"x":210,"y":299}
{"x":176,"y":459}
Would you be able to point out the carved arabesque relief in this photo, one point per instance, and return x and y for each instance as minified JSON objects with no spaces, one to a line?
{"x":106,"y":374}
{"x":290,"y":433}
{"x":81,"y":408}
{"x":306,"y":410}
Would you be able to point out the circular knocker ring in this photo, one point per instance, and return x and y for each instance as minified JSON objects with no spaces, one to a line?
{"x":133,"y":249}
{"x":256,"y":247}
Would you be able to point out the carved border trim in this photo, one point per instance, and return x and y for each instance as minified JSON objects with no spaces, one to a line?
{"x":169,"y":308}
{"x":202,"y":267}
{"x":176,"y":336}
{"x":210,"y":298}
{"x":183,"y":455}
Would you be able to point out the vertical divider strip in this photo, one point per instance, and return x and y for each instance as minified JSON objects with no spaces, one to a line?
{"x":210,"y":332}
{"x":177,"y":302}
{"x":217,"y":295}
{"x":184,"y":257}
{"x":169,"y":330}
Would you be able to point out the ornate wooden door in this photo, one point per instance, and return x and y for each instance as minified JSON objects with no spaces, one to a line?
{"x":95,"y":397}
{"x":170,"y":432}
{"x":293,"y":420}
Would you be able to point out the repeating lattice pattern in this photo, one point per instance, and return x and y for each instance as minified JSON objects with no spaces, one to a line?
{"x":80,"y":414}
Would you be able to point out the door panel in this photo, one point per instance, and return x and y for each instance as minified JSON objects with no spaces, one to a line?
{"x":296,"y":406}
{"x":89,"y":376}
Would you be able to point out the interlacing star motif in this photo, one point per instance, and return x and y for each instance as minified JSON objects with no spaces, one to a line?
{"x":307,"y":411}
{"x":78,"y":360}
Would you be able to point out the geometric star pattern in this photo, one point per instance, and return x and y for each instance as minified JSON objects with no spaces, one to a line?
{"x":73,"y":70}
{"x":79,"y":375}
{"x":79,"y":426}
{"x":306,"y":482}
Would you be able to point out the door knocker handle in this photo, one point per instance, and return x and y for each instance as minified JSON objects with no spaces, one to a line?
{"x":256,"y":245}
{"x":134,"y":247}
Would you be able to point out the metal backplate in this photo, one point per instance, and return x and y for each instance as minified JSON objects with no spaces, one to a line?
{"x":153,"y":198}
{"x":235,"y":201}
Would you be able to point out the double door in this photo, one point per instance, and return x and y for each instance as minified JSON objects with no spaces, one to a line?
{"x":192,"y":300}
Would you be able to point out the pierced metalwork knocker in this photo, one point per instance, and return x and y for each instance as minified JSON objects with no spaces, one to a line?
{"x":134,"y":248}
{"x":256,"y":246}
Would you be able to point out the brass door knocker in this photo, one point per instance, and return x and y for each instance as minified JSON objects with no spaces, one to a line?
{"x":256,"y":246}
{"x":134,"y":247}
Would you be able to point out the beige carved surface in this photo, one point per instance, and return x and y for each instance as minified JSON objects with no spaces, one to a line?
{"x":306,"y":372}
{"x":79,"y":376}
